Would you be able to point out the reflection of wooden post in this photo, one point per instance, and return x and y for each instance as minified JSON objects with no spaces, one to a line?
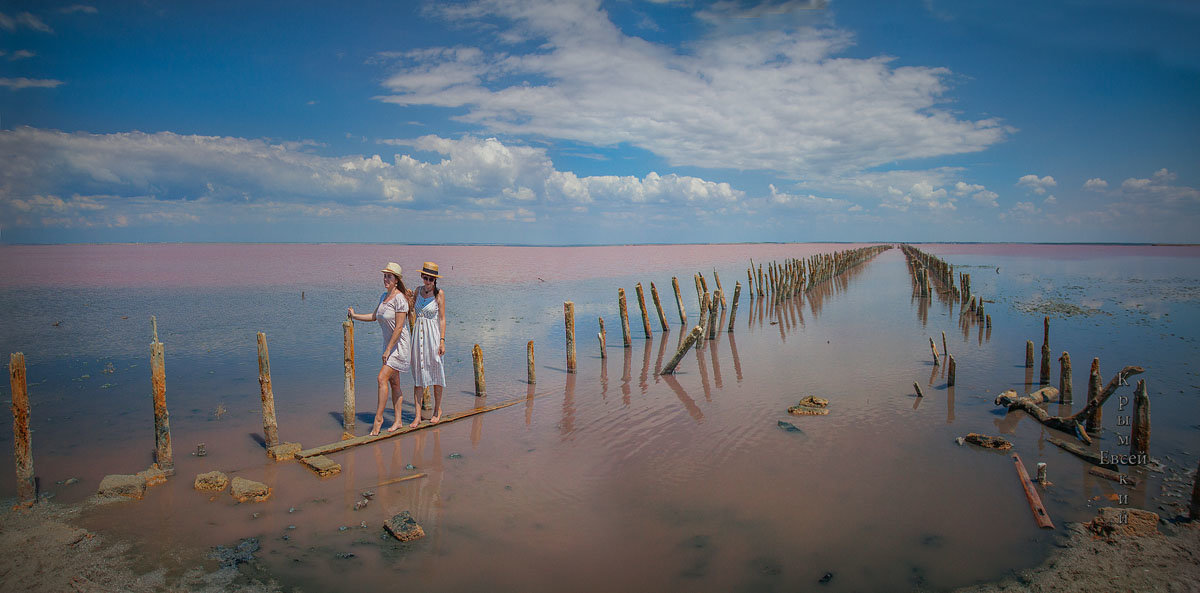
{"x":679,"y":301}
{"x":22,"y":448}
{"x":477,"y":362}
{"x":1139,"y":441}
{"x":683,"y":348}
{"x":162,"y":425}
{"x":270,"y":429}
{"x":950,"y":371}
{"x":569,"y":318}
{"x":349,"y":409}
{"x":737,"y":291}
{"x":1029,"y":354}
{"x":1064,"y":378}
{"x":529,"y":363}
{"x":641,"y":295}
{"x":624,"y":318}
{"x":662,"y":317}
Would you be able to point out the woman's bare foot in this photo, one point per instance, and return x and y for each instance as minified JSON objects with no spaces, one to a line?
{"x":395,"y":426}
{"x":437,"y":417}
{"x":416,"y":421}
{"x":375,"y":427}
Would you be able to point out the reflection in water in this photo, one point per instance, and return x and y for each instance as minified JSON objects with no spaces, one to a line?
{"x":529,"y":393}
{"x":476,"y":430}
{"x":625,"y":376}
{"x":1028,"y":379}
{"x":662,"y":347}
{"x":950,"y":405}
{"x":645,"y":366}
{"x":568,"y":405}
{"x":687,"y":401}
{"x":703,"y":376}
{"x":737,"y":363}
{"x":716,"y":362}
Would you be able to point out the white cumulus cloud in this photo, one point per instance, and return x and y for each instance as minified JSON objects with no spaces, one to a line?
{"x":1095,"y":184}
{"x":1038,"y":185}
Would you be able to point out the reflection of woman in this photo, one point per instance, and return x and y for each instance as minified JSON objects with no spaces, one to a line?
{"x":391,"y":313}
{"x":429,"y":341}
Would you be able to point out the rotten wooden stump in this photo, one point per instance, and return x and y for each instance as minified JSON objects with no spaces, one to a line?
{"x":683,"y":349}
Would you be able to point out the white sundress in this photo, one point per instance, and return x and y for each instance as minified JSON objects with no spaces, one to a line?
{"x":388,"y":311}
{"x":426,"y":363}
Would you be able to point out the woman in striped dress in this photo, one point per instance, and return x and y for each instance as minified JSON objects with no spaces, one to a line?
{"x":429,"y":341}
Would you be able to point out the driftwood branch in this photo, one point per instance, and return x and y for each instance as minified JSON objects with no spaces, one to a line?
{"x":1069,"y":424}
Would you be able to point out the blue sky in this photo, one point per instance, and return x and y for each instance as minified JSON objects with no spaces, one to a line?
{"x":599,"y":122}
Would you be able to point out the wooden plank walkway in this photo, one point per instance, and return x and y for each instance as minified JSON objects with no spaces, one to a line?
{"x":368,"y":439}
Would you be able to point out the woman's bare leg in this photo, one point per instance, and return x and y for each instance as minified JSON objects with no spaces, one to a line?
{"x":437,"y":405}
{"x":397,"y":400}
{"x":385,"y":379}
{"x":416,"y":405}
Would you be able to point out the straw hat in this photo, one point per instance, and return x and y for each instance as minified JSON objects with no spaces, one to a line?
{"x":430,"y":269}
{"x":392,"y":268}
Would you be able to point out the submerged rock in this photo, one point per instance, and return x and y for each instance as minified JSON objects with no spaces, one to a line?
{"x":242,"y":553}
{"x":323,"y":465}
{"x":810,"y":406}
{"x":122,"y":485}
{"x":988,"y":442}
{"x":249,"y":491}
{"x":788,"y":426}
{"x":283,"y":451}
{"x":214,"y":481}
{"x":403,"y":527}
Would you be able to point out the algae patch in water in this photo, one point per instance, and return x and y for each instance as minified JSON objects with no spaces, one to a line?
{"x":1057,"y":307}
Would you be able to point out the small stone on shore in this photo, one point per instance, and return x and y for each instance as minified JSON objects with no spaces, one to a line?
{"x":214,"y":481}
{"x":403,"y":527}
{"x":122,"y":485}
{"x":988,"y":442}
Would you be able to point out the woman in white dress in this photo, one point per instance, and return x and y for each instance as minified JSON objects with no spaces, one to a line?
{"x":391,"y":313}
{"x":429,"y":341}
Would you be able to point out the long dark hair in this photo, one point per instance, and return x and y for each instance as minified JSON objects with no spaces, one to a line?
{"x":400,"y":284}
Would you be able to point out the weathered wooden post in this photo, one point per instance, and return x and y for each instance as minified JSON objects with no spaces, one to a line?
{"x":720,"y":290}
{"x":679,"y":301}
{"x":1029,"y":354}
{"x":945,"y":349}
{"x":641,"y":295}
{"x":349,"y":409}
{"x":1041,"y":473}
{"x":699,"y":292}
{"x":1139,"y":441}
{"x":624,"y":317}
{"x":1044,"y":374}
{"x":530,"y":370}
{"x":712,"y":315}
{"x":737,"y":291}
{"x":22,"y":447}
{"x":1096,"y":420}
{"x":705,"y":312}
{"x":917,"y":386}
{"x":1194,"y":510}
{"x":569,"y":319}
{"x":477,"y":362}
{"x":760,"y":281}
{"x":683,"y":348}
{"x":162,"y":425}
{"x":950,"y":371}
{"x":603,"y":335}
{"x":933,"y":348}
{"x":1064,"y":379}
{"x":662,"y":317}
{"x":270,"y":429}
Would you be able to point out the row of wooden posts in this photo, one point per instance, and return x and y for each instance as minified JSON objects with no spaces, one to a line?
{"x":929,"y":270}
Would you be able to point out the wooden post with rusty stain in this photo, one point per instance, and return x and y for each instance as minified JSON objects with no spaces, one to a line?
{"x":945,"y":348}
{"x":662,"y":317}
{"x":683,"y":348}
{"x":349,"y":408}
{"x":530,"y":370}
{"x":1096,"y":420}
{"x":712,"y":315}
{"x":1044,"y":374}
{"x":270,"y":428}
{"x":477,"y":363}
{"x":22,"y":446}
{"x":699,"y":292}
{"x":1064,"y":379}
{"x":679,"y":301}
{"x":624,"y":317}
{"x":1139,"y":434}
{"x":952,"y":367}
{"x":162,"y":425}
{"x":704,"y":313}
{"x":737,"y":291}
{"x":603,"y":335}
{"x":933,"y":348}
{"x":569,"y":320}
{"x":641,"y":295}
{"x":1029,"y":354}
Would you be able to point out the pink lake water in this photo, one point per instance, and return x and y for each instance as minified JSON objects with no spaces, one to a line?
{"x":613,"y":478}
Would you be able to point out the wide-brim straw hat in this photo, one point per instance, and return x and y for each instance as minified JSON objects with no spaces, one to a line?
{"x":392,"y":268}
{"x":430,"y":269}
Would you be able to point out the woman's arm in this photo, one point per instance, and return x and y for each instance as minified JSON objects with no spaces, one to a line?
{"x":360,"y":316}
{"x":441,"y":298}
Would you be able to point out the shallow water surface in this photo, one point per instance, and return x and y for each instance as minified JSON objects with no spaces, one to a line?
{"x":612,"y":478}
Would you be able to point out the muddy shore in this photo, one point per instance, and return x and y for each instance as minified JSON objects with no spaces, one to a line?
{"x":49,"y":553}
